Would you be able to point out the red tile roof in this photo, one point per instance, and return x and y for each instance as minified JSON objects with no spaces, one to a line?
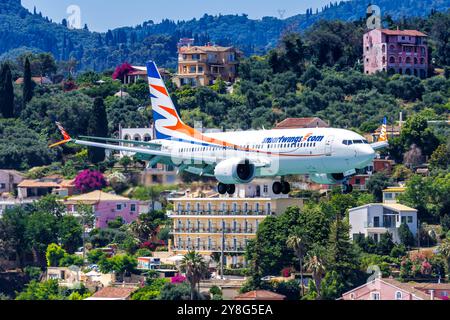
{"x":114,"y":293}
{"x":412,"y":33}
{"x":301,"y":123}
{"x":260,"y":295}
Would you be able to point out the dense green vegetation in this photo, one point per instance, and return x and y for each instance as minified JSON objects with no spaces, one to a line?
{"x":97,"y":51}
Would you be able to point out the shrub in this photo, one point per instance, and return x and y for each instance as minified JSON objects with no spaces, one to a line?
{"x":90,"y":180}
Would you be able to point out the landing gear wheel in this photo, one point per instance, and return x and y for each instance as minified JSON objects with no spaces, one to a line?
{"x":347,"y":188}
{"x":222,"y":188}
{"x":231,"y":189}
{"x":285,"y":187}
{"x":277,"y":187}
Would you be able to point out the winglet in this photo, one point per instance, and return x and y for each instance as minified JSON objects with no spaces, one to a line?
{"x":66,"y":136}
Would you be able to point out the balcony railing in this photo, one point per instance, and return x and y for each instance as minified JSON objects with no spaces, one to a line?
{"x":220,"y":213}
{"x":215,"y":230}
{"x":209,"y":249}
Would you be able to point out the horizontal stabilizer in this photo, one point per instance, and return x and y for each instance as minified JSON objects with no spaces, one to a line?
{"x":380,"y":145}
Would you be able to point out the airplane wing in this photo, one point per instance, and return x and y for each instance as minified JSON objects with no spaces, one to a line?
{"x":145,"y":148}
{"x":137,"y":143}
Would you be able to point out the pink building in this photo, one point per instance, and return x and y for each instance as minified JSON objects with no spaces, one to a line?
{"x":396,"y":51}
{"x":107,"y":207}
{"x":391,"y":289}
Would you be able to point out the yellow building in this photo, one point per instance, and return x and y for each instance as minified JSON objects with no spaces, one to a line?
{"x":390,"y":195}
{"x":203,"y":65}
{"x":207,"y":224}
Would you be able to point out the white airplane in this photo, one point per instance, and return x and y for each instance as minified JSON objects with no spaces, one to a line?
{"x":328,"y":156}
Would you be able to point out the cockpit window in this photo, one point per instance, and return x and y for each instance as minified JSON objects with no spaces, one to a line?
{"x":358,"y":142}
{"x":348,"y":142}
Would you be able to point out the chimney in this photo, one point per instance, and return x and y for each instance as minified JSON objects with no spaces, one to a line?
{"x":431,"y":294}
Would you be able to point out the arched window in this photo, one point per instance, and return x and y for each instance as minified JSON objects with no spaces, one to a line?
{"x":416,"y":61}
{"x":392,"y":47}
{"x":408,"y":60}
{"x":383,"y":48}
{"x":147,"y":138}
{"x":127,"y":137}
{"x":398,"y":295}
{"x":137,"y":137}
{"x":391,"y":59}
{"x":384,"y":59}
{"x":408,"y":72}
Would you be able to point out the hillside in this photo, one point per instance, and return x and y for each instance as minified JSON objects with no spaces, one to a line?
{"x":27,"y":31}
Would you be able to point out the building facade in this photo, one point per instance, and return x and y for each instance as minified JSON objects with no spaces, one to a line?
{"x":391,"y":289}
{"x":106,"y":207}
{"x":208,"y":224}
{"x":391,"y":194}
{"x":396,"y":51}
{"x":374,"y":220}
{"x":34,"y":189}
{"x":9,"y":180}
{"x":203,"y":65}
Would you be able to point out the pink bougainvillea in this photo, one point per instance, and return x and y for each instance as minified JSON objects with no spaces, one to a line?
{"x":425,"y":268}
{"x":178,"y":279}
{"x":90,"y":180}
{"x":121,"y":71}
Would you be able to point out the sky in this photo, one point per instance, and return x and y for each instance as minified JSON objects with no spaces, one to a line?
{"x":101,"y":15}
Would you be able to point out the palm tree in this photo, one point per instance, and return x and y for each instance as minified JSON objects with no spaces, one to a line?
{"x":317,"y":267}
{"x":297,"y":243}
{"x":195,"y":269}
{"x":444,"y":250}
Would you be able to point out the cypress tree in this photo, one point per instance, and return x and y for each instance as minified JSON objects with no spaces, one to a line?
{"x":98,"y":127}
{"x":28,"y":84}
{"x":6,"y":92}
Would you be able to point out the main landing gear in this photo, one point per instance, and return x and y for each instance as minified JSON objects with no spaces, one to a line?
{"x":226,"y":188}
{"x":282,"y":187}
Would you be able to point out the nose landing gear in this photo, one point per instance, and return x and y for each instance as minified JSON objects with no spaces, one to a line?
{"x":281,"y":187}
{"x":226,"y":188}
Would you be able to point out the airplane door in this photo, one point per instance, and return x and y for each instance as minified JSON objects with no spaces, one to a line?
{"x":329,"y":146}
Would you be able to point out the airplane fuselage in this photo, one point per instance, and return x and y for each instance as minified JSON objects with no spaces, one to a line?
{"x":291,"y":151}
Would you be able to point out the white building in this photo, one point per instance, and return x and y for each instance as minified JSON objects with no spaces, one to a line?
{"x":373,"y":220}
{"x":7,"y":204}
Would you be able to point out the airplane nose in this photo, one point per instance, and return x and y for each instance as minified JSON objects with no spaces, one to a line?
{"x":366,"y":152}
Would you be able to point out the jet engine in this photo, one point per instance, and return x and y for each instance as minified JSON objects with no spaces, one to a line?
{"x":327,"y":178}
{"x":235,"y":171}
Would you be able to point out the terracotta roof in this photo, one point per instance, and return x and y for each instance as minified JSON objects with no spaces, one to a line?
{"x":46,"y":184}
{"x":299,"y":123}
{"x":398,"y":206}
{"x":411,"y":287}
{"x":260,"y":295}
{"x":389,"y":129}
{"x":204,"y":49}
{"x":38,"y":80}
{"x":97,"y":196}
{"x":412,"y":33}
{"x":114,"y":293}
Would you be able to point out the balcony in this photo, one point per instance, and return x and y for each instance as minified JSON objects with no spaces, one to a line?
{"x":219,"y":213}
{"x":214,"y":230}
{"x":231,"y":249}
